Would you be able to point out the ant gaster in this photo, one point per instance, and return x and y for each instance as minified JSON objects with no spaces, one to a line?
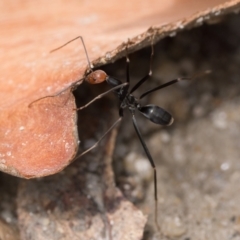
{"x":128,"y":101}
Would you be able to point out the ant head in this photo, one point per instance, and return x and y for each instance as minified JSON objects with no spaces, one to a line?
{"x":95,"y":77}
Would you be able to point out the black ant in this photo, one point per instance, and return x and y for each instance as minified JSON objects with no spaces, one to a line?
{"x":128,"y":101}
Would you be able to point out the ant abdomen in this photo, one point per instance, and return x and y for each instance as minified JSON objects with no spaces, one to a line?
{"x":156,"y":114}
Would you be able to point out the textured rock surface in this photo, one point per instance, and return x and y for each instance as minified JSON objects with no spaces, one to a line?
{"x":197,"y":157}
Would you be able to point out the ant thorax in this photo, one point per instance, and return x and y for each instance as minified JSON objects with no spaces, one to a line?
{"x":130,"y":101}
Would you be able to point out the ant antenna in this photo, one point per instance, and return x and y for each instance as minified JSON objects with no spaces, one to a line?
{"x":94,"y":77}
{"x":85,"y":49}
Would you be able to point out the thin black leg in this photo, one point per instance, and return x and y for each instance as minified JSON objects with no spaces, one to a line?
{"x":96,"y":144}
{"x":174,"y":81}
{"x":152,"y":164}
{"x":127,"y":66}
{"x":163,"y":86}
{"x":101,"y":95}
{"x":138,"y":84}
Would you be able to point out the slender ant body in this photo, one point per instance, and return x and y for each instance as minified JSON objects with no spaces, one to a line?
{"x":128,"y":101}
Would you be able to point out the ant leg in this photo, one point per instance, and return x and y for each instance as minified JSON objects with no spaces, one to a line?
{"x":139,"y":83}
{"x":96,"y":144}
{"x":101,"y":95}
{"x":153,"y":166}
{"x":163,"y":86}
{"x":172,"y":82}
{"x":127,"y":64}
